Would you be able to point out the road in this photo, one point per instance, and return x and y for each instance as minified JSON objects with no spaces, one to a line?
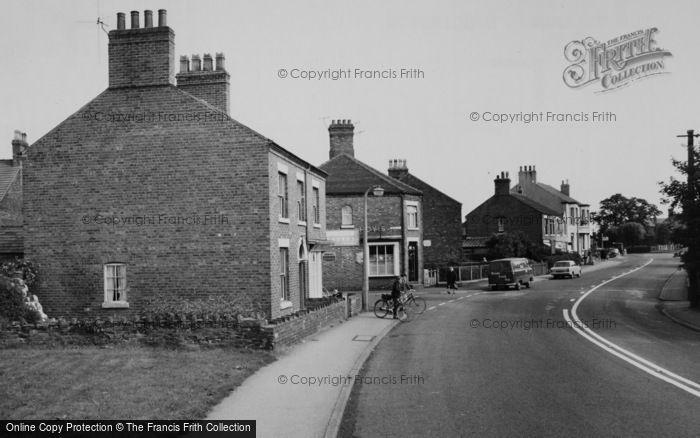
{"x":506,"y":363}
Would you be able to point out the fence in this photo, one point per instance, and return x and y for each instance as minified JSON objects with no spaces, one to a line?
{"x":476,"y":271}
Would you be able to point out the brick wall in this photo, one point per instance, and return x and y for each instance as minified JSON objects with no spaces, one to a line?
{"x":345,"y":271}
{"x":442,"y":225}
{"x":188,"y":165}
{"x":483,"y":220}
{"x":139,"y":57}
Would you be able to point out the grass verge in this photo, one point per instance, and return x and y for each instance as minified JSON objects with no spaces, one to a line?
{"x":120,"y":382}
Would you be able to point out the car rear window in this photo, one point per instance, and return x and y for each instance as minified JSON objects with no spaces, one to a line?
{"x":562,"y":264}
{"x":499,"y":266}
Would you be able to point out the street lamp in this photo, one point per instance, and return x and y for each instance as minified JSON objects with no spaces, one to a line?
{"x":376,"y":191}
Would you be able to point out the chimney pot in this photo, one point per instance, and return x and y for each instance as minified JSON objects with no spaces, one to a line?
{"x":196,"y":63}
{"x":184,"y":64}
{"x":220,"y":60}
{"x":147,"y":18}
{"x":134,"y":19}
{"x":121,"y":21}
{"x":162,"y":18}
{"x":207,"y":62}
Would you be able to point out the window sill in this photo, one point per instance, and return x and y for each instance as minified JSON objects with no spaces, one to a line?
{"x":115,"y":305}
{"x":413,"y":229}
{"x":347,"y":227}
{"x":285,"y":304}
{"x":284,"y":220}
{"x":301,"y":223}
{"x":317,"y":225}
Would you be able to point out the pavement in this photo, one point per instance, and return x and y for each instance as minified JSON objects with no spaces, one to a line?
{"x":304,"y":392}
{"x":675,"y":304}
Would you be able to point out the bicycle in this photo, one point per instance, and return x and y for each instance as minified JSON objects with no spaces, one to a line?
{"x":414,"y":304}
{"x":385,"y":306}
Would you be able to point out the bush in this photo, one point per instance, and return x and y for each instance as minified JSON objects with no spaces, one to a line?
{"x":20,"y":268}
{"x":13,"y":305}
{"x":223,"y":305}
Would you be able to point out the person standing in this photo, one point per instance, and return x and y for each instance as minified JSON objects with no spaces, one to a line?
{"x":396,"y":295}
{"x":451,"y":280}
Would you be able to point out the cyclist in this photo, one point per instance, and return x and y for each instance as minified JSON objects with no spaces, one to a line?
{"x":396,"y":289}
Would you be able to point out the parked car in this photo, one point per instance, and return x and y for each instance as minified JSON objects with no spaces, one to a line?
{"x":613,"y":252}
{"x":680,"y":253}
{"x":565,"y":268}
{"x":509,"y":272}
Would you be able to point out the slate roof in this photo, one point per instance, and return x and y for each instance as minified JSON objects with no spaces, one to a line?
{"x":428,"y":185}
{"x":349,"y":176}
{"x":536,"y":205}
{"x":8,"y":173}
{"x":553,"y":197}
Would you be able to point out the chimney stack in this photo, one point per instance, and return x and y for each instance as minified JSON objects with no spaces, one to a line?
{"x":397,"y":169}
{"x":141,"y":56}
{"x":565,"y":187}
{"x":19,"y":148}
{"x":502,"y":184}
{"x":341,"y":136}
{"x":202,"y":81}
{"x":527,"y":175}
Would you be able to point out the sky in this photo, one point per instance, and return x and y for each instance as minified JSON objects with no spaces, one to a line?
{"x":470,"y":60}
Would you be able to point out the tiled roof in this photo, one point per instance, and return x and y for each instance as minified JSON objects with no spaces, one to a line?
{"x":420,"y":181}
{"x":536,"y":205}
{"x":8,"y":173}
{"x":555,"y":198}
{"x":11,"y":239}
{"x":349,"y":176}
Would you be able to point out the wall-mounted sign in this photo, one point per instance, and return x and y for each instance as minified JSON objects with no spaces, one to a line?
{"x":427,"y":243}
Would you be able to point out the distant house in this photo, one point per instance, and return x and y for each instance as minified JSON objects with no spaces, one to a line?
{"x":442,"y":219}
{"x":576,"y":215}
{"x":11,"y":234}
{"x":151,"y":192}
{"x":507,"y":212}
{"x":395,"y":220}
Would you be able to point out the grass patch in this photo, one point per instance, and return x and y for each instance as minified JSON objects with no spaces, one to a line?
{"x":120,"y":382}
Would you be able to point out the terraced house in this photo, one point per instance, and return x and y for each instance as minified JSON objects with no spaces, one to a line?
{"x":395,"y":219}
{"x":151,"y":192}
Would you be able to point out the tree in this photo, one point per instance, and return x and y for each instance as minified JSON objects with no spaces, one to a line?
{"x":618,"y":210}
{"x":515,"y":245}
{"x":685,"y":195}
{"x":632,"y":233}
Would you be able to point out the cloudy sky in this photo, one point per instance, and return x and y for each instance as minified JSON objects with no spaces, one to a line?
{"x":501,"y":57}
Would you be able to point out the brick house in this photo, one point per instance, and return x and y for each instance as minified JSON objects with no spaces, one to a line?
{"x":508,"y":211}
{"x":395,"y":220}
{"x":442,"y":219}
{"x":151,"y":191}
{"x":11,"y":239}
{"x":576,"y":215}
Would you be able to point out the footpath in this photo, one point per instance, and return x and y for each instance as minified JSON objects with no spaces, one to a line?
{"x":675,"y":304}
{"x":304,"y":392}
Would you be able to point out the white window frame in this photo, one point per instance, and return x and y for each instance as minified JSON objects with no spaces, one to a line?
{"x":285,"y":300}
{"x":115,"y":297}
{"x":346,"y":217}
{"x":316,"y":202}
{"x":396,"y":255}
{"x":412,"y":216}
{"x":301,"y":202}
{"x":283,"y":198}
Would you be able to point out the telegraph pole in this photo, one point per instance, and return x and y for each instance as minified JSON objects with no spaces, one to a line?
{"x":690,"y":209}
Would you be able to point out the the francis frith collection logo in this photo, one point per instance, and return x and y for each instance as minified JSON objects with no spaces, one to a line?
{"x":615,"y":63}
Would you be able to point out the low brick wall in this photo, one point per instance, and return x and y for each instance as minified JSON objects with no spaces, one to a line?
{"x":180,"y":330}
{"x":320,"y":313}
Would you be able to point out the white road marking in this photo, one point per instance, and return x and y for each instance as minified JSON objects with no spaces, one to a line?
{"x":432,"y":308}
{"x":442,"y":304}
{"x":639,"y":362}
{"x":461,"y":298}
{"x":572,"y":300}
{"x":452,"y":301}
